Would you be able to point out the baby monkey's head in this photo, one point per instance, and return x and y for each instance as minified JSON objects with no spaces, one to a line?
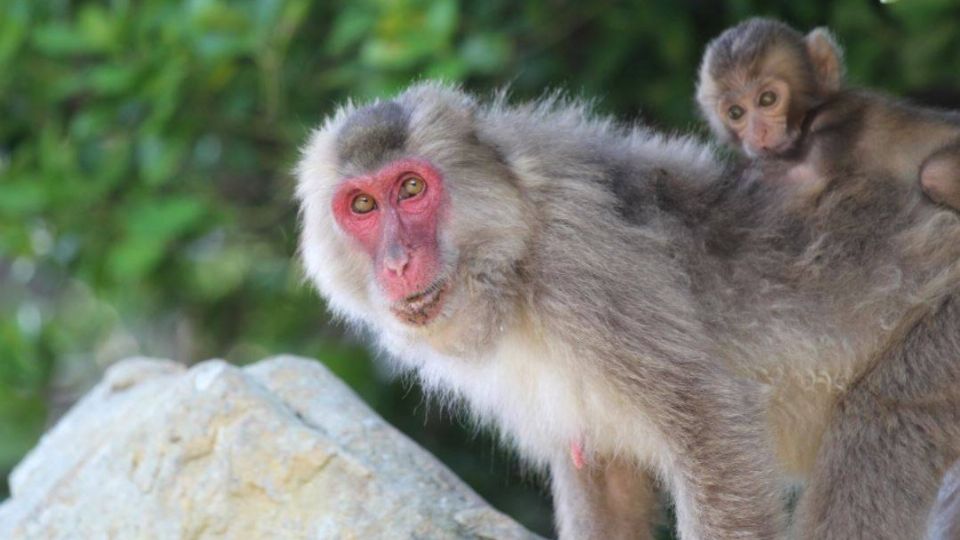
{"x":759,"y":79}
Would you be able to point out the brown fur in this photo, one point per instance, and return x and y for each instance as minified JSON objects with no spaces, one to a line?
{"x":837,"y":131}
{"x":738,"y":64}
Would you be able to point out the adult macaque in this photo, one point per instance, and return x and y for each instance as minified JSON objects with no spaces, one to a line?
{"x":588,"y":286}
{"x":770,"y":91}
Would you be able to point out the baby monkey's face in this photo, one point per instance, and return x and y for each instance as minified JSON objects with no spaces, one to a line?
{"x":760,"y":79}
{"x":757,"y":116}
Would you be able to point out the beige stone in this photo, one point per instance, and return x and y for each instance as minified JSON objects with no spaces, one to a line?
{"x":279,"y":449}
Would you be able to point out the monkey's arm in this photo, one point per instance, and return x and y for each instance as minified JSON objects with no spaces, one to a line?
{"x":862,"y":132}
{"x":723,"y":473}
{"x":915,"y":144}
{"x":894,"y":435}
{"x":607,"y":498}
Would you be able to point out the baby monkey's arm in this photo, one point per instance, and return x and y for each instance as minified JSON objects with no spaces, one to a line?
{"x":940,"y":175}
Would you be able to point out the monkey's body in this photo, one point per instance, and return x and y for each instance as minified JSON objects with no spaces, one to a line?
{"x":862,"y":132}
{"x":777,"y":96}
{"x":627,"y":292}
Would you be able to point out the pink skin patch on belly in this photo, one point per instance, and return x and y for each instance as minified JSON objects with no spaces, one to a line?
{"x":576,"y":454}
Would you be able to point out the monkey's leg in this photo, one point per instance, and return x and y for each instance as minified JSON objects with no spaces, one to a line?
{"x":940,"y":176}
{"x":723,"y":473}
{"x":606,"y":499}
{"x":892,"y":437}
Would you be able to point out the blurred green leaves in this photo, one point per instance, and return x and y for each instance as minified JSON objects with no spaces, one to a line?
{"x":408,"y":32}
{"x":129,"y":136}
{"x":149,"y":229}
{"x":145,"y":150}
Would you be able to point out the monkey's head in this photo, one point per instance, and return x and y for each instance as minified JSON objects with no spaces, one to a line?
{"x":409,"y":217}
{"x":759,"y":79}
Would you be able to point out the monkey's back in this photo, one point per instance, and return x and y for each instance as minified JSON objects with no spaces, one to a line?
{"x":860,"y":131}
{"x":679,"y":228}
{"x":799,"y":299}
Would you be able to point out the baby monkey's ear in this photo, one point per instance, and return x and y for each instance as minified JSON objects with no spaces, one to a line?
{"x":827,"y":58}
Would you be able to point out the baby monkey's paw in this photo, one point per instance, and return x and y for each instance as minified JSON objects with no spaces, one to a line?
{"x":940,"y":176}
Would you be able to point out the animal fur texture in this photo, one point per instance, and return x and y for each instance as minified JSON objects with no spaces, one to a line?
{"x":674,"y":315}
{"x":813,"y":127}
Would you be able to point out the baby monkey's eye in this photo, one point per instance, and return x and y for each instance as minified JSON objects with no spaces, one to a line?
{"x":767,"y":98}
{"x":412,"y":186}
{"x":735,"y":112}
{"x":363,"y":203}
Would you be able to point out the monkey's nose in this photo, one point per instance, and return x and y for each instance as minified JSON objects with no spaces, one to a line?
{"x":759,"y":134}
{"x":396,"y":260}
{"x":762,"y":141}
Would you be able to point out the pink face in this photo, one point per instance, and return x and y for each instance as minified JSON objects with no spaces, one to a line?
{"x":393,"y":214}
{"x":759,"y":118}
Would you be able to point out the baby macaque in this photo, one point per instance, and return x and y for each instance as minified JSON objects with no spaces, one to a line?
{"x":772,"y":92}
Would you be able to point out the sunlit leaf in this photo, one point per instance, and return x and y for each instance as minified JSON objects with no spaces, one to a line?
{"x":99,"y":30}
{"x":485,"y":53}
{"x":162,"y":219}
{"x":20,"y":197}
{"x":158,"y":158}
{"x":350,"y":27}
{"x":60,"y":39}
{"x":147,"y":232}
{"x":112,"y":79}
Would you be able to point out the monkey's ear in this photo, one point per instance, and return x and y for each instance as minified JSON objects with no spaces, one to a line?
{"x":827,"y":58}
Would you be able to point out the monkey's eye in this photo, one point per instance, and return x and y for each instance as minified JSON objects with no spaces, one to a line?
{"x":412,"y":186}
{"x":735,"y":112}
{"x":767,"y":98}
{"x":362,"y":204}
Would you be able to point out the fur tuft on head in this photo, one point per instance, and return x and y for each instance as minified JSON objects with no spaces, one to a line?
{"x":485,"y":228}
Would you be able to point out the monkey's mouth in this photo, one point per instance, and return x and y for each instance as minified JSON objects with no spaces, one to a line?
{"x":782,"y":147}
{"x":420,"y":308}
{"x":789,"y":142}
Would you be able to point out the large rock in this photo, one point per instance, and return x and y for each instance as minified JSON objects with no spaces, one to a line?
{"x":280,"y":449}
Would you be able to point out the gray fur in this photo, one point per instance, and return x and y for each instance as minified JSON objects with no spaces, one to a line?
{"x":839,"y":131}
{"x":679,"y":317}
{"x":897,"y":428}
{"x":372,"y":134}
{"x":748,"y":43}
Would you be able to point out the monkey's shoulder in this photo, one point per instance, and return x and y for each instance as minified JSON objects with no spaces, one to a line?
{"x":842,"y":112}
{"x":877,"y":110}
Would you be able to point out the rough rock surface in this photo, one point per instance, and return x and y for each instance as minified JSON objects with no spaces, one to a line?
{"x":279,"y":449}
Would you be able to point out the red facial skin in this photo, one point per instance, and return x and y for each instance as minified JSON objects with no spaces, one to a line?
{"x":399,"y":234}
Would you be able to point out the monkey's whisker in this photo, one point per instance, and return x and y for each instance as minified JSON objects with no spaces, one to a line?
{"x":421,"y":307}
{"x":424,"y":293}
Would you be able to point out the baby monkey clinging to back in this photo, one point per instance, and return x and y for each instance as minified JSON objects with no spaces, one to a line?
{"x":770,"y":91}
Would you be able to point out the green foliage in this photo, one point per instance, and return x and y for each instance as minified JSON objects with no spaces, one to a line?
{"x":145,"y":150}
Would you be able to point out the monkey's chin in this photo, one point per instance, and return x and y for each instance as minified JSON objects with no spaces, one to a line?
{"x":423,"y":307}
{"x":786,"y":146}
